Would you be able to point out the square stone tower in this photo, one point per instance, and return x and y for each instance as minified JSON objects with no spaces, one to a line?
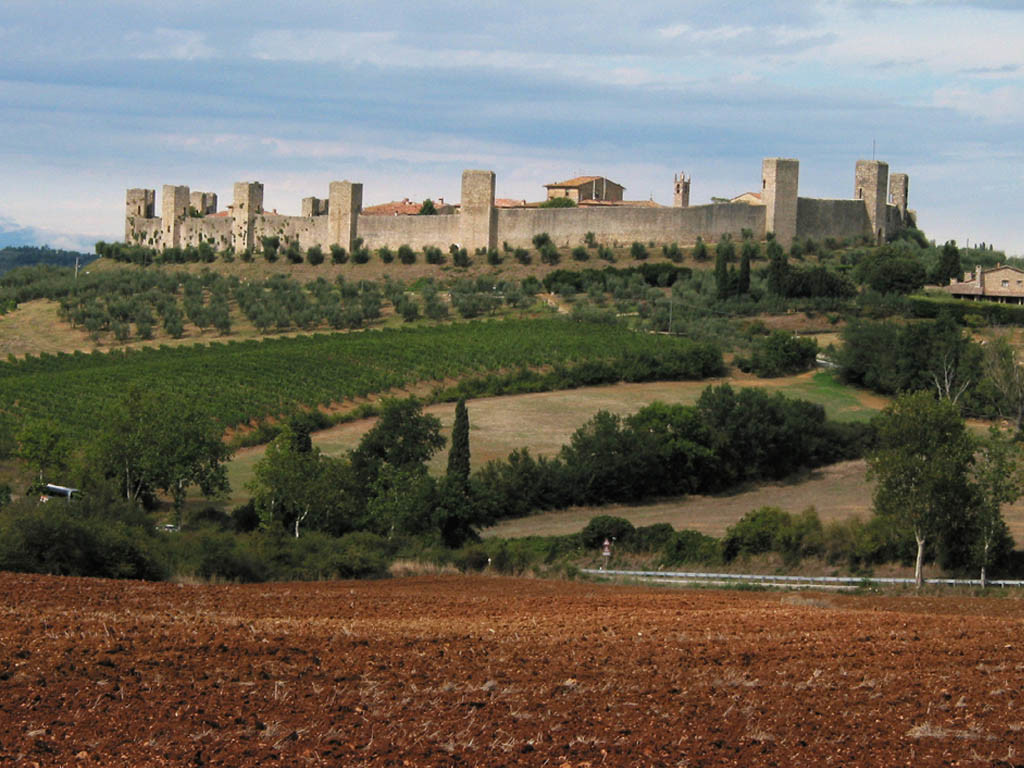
{"x":780,"y":180}
{"x":173,"y":210}
{"x":681,"y":190}
{"x":871,"y":185}
{"x":138,"y":204}
{"x":344,"y":202}
{"x":478,"y":218}
{"x":899,"y":184}
{"x":248,"y":203}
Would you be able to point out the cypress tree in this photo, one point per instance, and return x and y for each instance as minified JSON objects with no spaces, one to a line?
{"x":743,"y":284}
{"x":458,"y":456}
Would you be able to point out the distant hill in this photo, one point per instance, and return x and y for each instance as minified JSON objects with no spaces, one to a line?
{"x":12,"y":257}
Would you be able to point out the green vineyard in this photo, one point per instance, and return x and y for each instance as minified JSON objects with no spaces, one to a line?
{"x":241,"y":382}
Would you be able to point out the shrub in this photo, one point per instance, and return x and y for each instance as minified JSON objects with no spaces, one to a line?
{"x":523,"y":256}
{"x":672,"y":252}
{"x":700,"y":251}
{"x":558,"y":202}
{"x":293,"y":252}
{"x":605,"y":254}
{"x":406,"y":254}
{"x":460,"y":258}
{"x":638,"y":251}
{"x":270,"y":246}
{"x":493,"y":257}
{"x":549,"y":254}
{"x":384,"y":254}
{"x":540,"y":240}
{"x":590,"y":239}
{"x":315,"y":255}
{"x":433,"y":255}
{"x":606,"y":527}
{"x":781,"y":353}
{"x":338,"y":254}
{"x":580,"y":253}
{"x":691,"y":547}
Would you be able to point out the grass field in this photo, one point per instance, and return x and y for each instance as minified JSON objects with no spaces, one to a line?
{"x":545,"y":421}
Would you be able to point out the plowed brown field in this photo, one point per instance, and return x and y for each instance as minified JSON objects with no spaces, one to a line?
{"x":493,"y":672}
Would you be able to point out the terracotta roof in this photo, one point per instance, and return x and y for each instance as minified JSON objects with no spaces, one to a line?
{"x":746,"y":194}
{"x":508,"y":202}
{"x":404,"y":207}
{"x":579,"y":181}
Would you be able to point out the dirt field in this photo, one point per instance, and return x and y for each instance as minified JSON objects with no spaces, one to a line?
{"x":494,"y":672}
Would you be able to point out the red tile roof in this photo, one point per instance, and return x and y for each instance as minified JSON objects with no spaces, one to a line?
{"x":404,"y":207}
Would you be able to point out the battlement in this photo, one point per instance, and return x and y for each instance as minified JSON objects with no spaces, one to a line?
{"x":877,"y":210}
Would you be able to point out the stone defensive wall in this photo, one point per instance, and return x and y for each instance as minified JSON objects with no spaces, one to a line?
{"x":877,"y":210}
{"x":623,"y":224}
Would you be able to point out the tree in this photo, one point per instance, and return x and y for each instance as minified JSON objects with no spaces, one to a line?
{"x":428,"y":208}
{"x":458,"y":454}
{"x":722,"y":286}
{"x":44,"y":446}
{"x":155,"y":441}
{"x":778,"y":267}
{"x":743,"y":283}
{"x":921,"y":463}
{"x":294,"y":484}
{"x":998,"y":479}
{"x":403,"y":436}
{"x":1006,"y":373}
{"x":949,"y":266}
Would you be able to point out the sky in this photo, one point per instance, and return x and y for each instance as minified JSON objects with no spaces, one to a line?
{"x":97,"y":97}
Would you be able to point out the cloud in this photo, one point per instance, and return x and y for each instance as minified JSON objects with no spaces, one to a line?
{"x":173,"y":44}
{"x":1003,"y":105}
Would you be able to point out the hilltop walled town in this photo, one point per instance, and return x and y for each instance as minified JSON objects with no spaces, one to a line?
{"x":877,"y":210}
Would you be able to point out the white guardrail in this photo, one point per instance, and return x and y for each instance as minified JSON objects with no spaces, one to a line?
{"x":828,"y":582}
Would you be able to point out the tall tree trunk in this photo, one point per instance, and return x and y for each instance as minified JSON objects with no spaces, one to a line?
{"x":918,"y":575}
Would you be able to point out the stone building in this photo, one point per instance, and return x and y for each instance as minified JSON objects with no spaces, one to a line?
{"x":586,"y":188}
{"x":1003,"y":283}
{"x":482,"y":221}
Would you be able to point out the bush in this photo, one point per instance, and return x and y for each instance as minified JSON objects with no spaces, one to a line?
{"x":494,"y":257}
{"x":384,"y":254}
{"x":522,"y":256}
{"x":638,"y":251}
{"x":270,"y":246}
{"x":580,"y":253}
{"x":540,"y":240}
{"x":691,"y":547}
{"x":406,"y":254}
{"x":433,"y":255}
{"x":672,"y":252}
{"x":460,"y":258}
{"x":294,"y":252}
{"x":315,"y":255}
{"x":590,"y":240}
{"x":549,"y":254}
{"x":782,"y":353}
{"x":603,"y":527}
{"x":338,"y":255}
{"x":605,"y":254}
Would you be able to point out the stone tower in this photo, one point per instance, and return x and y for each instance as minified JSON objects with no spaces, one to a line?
{"x":780,"y":179}
{"x":248,"y":203}
{"x":205,"y":203}
{"x":478,"y":218}
{"x":871,"y":185}
{"x":344,"y":202}
{"x":681,"y":198}
{"x":139,"y":204}
{"x":899,"y":184}
{"x":173,"y":210}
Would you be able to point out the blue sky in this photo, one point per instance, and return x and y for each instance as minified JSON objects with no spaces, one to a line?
{"x":96,"y":97}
